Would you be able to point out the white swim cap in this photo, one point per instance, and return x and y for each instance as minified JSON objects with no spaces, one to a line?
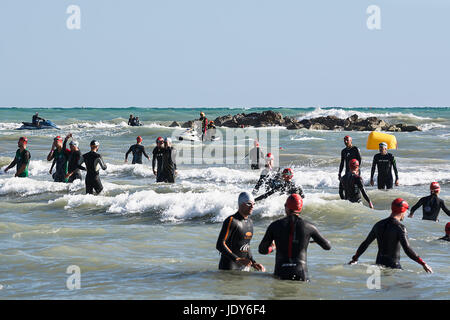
{"x":245,"y":197}
{"x":74,"y":143}
{"x":168,"y":140}
{"x":383,"y":144}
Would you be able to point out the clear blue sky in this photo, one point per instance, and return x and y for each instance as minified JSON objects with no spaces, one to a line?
{"x":224,"y":53}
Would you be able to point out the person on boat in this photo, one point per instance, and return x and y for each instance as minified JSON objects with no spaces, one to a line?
{"x":431,"y":205}
{"x":21,"y":160}
{"x":390,"y":235}
{"x":36,"y":120}
{"x":348,"y":153}
{"x":283,"y":185}
{"x":138,"y":150}
{"x":234,"y":238}
{"x":290,"y":236}
{"x":351,"y":185}
{"x":384,"y":162}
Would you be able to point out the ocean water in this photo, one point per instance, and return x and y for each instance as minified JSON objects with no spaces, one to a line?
{"x":142,"y":240}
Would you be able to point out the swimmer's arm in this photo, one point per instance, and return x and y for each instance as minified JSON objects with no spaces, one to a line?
{"x":102,"y":163}
{"x":127,"y":153}
{"x":374,"y":164}
{"x":341,"y":191}
{"x":320,"y":240}
{"x":145,"y":153}
{"x":12,"y":164}
{"x":341,"y":165}
{"x":227,"y":229}
{"x":415,"y":207}
{"x":394,"y":164}
{"x":266,"y":245}
{"x":363,"y":192}
{"x":410,"y":252}
{"x":265,"y":195}
{"x":444,"y":208}
{"x":358,"y":156}
{"x":363,"y":247}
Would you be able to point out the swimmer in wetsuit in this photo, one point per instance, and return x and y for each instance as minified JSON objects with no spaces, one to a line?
{"x":390,"y":235}
{"x":266,"y":174}
{"x":351,"y":185}
{"x":384,"y":162}
{"x":447,"y":233}
{"x":256,"y":156}
{"x":138,"y":150}
{"x":158,"y":153}
{"x":169,"y":166}
{"x":21,"y":160}
{"x":235,"y":236}
{"x":291,"y":235}
{"x":283,"y":186}
{"x":73,"y":169}
{"x":431,"y":205}
{"x":93,"y":162}
{"x":348,"y":153}
{"x":60,"y":156}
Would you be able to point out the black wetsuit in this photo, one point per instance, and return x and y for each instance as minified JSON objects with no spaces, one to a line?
{"x":22,"y":158}
{"x":157,"y":161}
{"x":168,"y":165}
{"x":36,"y":119}
{"x":384,"y":163}
{"x":390,"y":235}
{"x":60,"y":158}
{"x":234,"y":241}
{"x":256,"y":156}
{"x":350,"y":188}
{"x":348,"y":154}
{"x":291,"y":235}
{"x":74,"y":159}
{"x":93,"y":160}
{"x":137,"y":150}
{"x":264,"y":178}
{"x":432,"y":205}
{"x":281,"y":186}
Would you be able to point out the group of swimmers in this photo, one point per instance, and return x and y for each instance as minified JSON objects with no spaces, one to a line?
{"x":289,"y":236}
{"x":68,"y":163}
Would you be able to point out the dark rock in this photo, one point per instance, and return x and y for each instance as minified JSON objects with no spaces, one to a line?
{"x":175,"y":124}
{"x":188,"y":124}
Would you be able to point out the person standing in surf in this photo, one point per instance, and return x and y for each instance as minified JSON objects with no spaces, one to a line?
{"x":234,"y":238}
{"x":256,"y":156}
{"x":157,"y":159}
{"x":384,"y":162}
{"x":351,"y":185}
{"x":431,"y":205}
{"x":94,"y":162}
{"x":169,"y":166}
{"x":60,"y":157}
{"x":348,"y":153}
{"x":21,"y":160}
{"x":138,"y":150}
{"x":290,"y":237}
{"x":390,"y":235}
{"x":73,"y":169}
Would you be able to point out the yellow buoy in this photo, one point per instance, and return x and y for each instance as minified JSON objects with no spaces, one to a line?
{"x":375,"y":138}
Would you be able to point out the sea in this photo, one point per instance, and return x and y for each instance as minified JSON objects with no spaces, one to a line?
{"x":140,"y":239}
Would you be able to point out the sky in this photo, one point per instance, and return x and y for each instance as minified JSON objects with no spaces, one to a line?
{"x":249,"y":53}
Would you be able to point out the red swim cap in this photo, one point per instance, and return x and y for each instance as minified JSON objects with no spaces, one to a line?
{"x":159,"y":139}
{"x":399,"y":206}
{"x":139,"y":139}
{"x":447,"y":228}
{"x":288,"y":172}
{"x":353,"y":164}
{"x":269,"y":156}
{"x":434,"y":186}
{"x":294,"y":202}
{"x":58,"y":138}
{"x":347,"y":138}
{"x":24,"y":139}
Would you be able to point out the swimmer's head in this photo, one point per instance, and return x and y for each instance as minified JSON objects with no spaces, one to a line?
{"x":348,"y":141}
{"x":435,"y":187}
{"x":354,"y":164}
{"x":399,"y":207}
{"x":94,"y":145}
{"x":287,"y":174}
{"x":139,"y":139}
{"x":22,"y":141}
{"x":383,"y":147}
{"x":73,"y":144}
{"x":294,"y":204}
{"x":246,"y":202}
